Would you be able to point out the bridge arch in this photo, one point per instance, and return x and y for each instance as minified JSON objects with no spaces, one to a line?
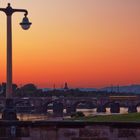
{"x":86,"y":104}
{"x":108,"y":104}
{"x":2,"y":105}
{"x":133,"y":108}
{"x":57,"y":107}
{"x":24,"y":106}
{"x":138,"y":104}
{"x":45,"y":106}
{"x":102,"y":107}
{"x":114,"y":106}
{"x":21,"y":102}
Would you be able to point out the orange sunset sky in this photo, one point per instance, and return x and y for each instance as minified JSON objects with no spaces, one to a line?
{"x":88,"y":43}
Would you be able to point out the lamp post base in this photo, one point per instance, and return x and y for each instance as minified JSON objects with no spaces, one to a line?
{"x":9,"y":112}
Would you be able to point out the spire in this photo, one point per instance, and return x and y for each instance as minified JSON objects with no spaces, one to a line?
{"x":66,"y":86}
{"x":118,"y":89}
{"x":54,"y":87}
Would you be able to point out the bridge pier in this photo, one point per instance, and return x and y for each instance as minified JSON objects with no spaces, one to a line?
{"x":70,"y":109}
{"x":58,"y":109}
{"x":115,"y":108}
{"x":132,"y":109}
{"x":101,"y":108}
{"x":42,"y":109}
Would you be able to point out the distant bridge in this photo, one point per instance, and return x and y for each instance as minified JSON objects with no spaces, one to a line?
{"x":42,"y":104}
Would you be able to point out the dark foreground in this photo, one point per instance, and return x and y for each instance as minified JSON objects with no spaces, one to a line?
{"x":69,"y":130}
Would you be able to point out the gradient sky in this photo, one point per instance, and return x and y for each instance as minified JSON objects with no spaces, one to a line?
{"x":88,"y":43}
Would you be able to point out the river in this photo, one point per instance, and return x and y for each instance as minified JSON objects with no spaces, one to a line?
{"x":87,"y":112}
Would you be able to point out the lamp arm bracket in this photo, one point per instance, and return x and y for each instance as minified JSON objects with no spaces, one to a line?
{"x":21,"y":10}
{"x":3,"y":10}
{"x":11,"y":11}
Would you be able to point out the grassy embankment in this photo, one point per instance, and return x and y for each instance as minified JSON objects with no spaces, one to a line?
{"x":131,"y":117}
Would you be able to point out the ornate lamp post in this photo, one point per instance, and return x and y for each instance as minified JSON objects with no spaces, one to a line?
{"x":25,"y":24}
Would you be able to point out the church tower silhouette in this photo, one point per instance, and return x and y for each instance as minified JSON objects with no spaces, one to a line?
{"x":66,"y":86}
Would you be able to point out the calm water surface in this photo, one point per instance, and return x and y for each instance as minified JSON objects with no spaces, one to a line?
{"x":87,"y":112}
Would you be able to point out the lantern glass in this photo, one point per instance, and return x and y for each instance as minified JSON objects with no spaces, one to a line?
{"x":25,"y":24}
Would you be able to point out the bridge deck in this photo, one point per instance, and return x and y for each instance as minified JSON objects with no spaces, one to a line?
{"x":123,"y":97}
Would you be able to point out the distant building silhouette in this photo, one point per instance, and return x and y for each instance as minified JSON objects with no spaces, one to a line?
{"x":111,"y":89}
{"x":118,"y":89}
{"x":54,"y":87}
{"x":66,"y":86}
{"x":1,"y":89}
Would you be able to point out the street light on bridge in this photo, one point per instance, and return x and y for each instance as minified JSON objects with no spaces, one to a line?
{"x":25,"y":24}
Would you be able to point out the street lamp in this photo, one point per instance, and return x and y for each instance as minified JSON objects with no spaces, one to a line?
{"x":25,"y":24}
{"x":8,"y":113}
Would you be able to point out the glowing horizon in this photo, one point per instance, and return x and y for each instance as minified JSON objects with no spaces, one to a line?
{"x":87,"y":43}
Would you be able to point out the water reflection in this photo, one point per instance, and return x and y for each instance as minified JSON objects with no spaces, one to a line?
{"x":49,"y":115}
{"x":87,"y":112}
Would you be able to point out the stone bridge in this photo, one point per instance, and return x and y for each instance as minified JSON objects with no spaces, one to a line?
{"x":42,"y":104}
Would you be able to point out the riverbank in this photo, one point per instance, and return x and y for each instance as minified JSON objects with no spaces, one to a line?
{"x":131,"y":117}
